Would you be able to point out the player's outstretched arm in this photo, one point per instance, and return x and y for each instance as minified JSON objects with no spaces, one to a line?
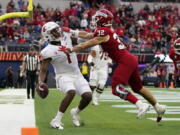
{"x":77,"y":33}
{"x":90,"y":43}
{"x":85,"y":35}
{"x":43,"y":70}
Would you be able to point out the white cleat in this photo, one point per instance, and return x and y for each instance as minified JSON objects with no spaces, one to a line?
{"x":75,"y":117}
{"x":95,"y":101}
{"x":142,"y":110}
{"x":56,"y":124}
{"x":161,"y":109}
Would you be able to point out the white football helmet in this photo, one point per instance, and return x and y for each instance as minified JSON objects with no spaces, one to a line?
{"x":51,"y":31}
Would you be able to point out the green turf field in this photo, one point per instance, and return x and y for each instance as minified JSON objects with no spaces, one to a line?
{"x":107,"y":120}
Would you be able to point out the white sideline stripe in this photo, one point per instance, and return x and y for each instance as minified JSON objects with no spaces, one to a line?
{"x":177,"y":111}
{"x":15,"y":116}
{"x":133,"y":106}
{"x":166,"y":119}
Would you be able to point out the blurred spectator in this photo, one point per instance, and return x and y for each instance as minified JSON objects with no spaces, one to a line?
{"x":161,"y":70}
{"x":21,"y":78}
{"x":151,"y":28}
{"x":9,"y":77}
{"x":84,"y":22}
{"x":170,"y":72}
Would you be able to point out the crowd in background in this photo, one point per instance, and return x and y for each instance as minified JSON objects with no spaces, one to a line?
{"x":146,"y":31}
{"x":151,"y":1}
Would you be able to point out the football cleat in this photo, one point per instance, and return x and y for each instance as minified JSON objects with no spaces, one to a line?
{"x":95,"y":100}
{"x":75,"y":117}
{"x":56,"y":124}
{"x":160,"y":112}
{"x":142,"y":110}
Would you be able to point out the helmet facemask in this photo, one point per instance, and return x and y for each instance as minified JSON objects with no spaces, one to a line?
{"x":55,"y":34}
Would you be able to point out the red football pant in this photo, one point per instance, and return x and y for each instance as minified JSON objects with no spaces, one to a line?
{"x":127,"y":73}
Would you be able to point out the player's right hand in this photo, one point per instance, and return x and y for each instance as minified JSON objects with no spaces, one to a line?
{"x":42,"y":90}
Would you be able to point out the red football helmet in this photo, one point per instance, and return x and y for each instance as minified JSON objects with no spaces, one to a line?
{"x":102,"y":18}
{"x":177,"y":46}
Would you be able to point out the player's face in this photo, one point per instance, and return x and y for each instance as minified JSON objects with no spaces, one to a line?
{"x":55,"y":33}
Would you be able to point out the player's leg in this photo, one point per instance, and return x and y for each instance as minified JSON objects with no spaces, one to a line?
{"x":66,"y":85}
{"x":136,"y":85}
{"x":102,"y":78}
{"x":120,"y":78}
{"x":93,"y":83}
{"x":83,"y":89}
{"x":93,"y":79}
{"x":28,"y":84}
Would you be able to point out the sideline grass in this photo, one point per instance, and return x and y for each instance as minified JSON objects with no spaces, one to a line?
{"x":101,"y":120}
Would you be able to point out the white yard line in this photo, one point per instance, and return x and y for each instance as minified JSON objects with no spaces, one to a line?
{"x":15,"y":112}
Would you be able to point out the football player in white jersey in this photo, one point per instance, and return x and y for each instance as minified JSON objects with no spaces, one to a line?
{"x":69,"y":79}
{"x":99,"y":62}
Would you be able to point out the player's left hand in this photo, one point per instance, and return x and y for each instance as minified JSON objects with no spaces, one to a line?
{"x":65,"y":49}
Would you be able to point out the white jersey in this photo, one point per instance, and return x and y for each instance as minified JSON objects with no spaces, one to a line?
{"x":101,"y":60}
{"x":63,"y":64}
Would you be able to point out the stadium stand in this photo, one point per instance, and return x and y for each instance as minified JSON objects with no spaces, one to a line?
{"x":145,"y":31}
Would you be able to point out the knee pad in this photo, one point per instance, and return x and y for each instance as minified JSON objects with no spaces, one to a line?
{"x":122,"y":92}
{"x":100,"y":88}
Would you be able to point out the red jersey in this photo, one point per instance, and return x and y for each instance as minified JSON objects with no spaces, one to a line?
{"x":114,"y":47}
{"x":176,"y":59}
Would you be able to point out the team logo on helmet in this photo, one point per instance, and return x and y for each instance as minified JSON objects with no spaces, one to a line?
{"x":103,"y":18}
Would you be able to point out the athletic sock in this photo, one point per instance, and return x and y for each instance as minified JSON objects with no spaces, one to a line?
{"x":157,"y":106}
{"x":59,"y":116}
{"x":97,"y":94}
{"x":139,"y":104}
{"x":77,"y":110}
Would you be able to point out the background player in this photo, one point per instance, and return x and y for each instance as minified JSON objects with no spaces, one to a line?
{"x":68,"y":76}
{"x":99,"y":62}
{"x":127,"y":70}
{"x":175,"y":56}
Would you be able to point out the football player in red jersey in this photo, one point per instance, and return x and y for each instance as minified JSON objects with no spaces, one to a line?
{"x":175,"y":56}
{"x":127,"y":70}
